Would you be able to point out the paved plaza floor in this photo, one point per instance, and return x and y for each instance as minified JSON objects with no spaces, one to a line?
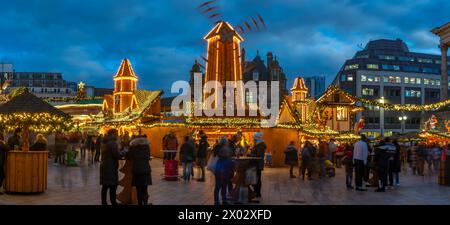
{"x":80,"y":186}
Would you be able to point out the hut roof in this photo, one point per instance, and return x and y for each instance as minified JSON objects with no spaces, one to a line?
{"x":29,"y":103}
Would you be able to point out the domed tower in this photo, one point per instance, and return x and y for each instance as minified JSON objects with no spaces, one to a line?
{"x":299,"y":92}
{"x":223,"y":54}
{"x":124,"y":87}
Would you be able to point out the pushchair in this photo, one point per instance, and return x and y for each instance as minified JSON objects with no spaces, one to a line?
{"x":330,"y":170}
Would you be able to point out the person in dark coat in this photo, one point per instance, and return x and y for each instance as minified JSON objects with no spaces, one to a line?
{"x":4,"y":148}
{"x":40,"y":144}
{"x":397,"y":164}
{"x":291,"y":157}
{"x":109,"y":177}
{"x":187,"y":156}
{"x":14,"y":140}
{"x":381,"y":158}
{"x":139,"y":154}
{"x":98,"y":146}
{"x":223,"y":170}
{"x":258,"y":150}
{"x":203,"y":146}
{"x":308,"y":155}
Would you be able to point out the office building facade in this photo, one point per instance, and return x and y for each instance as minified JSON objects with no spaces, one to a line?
{"x":316,"y":85}
{"x":386,"y":71}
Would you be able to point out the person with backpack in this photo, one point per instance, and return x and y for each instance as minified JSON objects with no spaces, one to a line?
{"x":291,"y":158}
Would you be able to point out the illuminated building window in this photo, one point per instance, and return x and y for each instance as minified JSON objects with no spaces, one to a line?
{"x":341,"y":113}
{"x":426,"y":81}
{"x":413,"y":93}
{"x":418,"y":80}
{"x":430,"y":70}
{"x":372,"y":66}
{"x":411,"y":68}
{"x":422,"y":60}
{"x":406,"y":59}
{"x":398,"y":80}
{"x":437,"y":61}
{"x":363,"y":78}
{"x":386,"y":57}
{"x":376,"y":79}
{"x":406,"y":80}
{"x":438,"y":82}
{"x":351,"y":67}
{"x":369,"y":92}
{"x":349,"y":77}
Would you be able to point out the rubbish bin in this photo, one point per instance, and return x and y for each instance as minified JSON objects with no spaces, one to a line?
{"x":171,"y":170}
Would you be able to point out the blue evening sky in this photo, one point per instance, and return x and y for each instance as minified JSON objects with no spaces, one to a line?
{"x":86,"y":39}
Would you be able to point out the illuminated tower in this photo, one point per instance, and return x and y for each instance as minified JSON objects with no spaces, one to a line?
{"x":223,"y":56}
{"x":299,"y":93}
{"x":124,"y":87}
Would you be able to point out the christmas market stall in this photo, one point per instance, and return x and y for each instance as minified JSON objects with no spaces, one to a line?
{"x":26,"y":171}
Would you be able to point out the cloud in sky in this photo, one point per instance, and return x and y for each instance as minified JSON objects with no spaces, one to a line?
{"x":86,"y":40}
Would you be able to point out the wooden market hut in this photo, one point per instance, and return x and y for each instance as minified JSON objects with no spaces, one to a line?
{"x":26,"y":171}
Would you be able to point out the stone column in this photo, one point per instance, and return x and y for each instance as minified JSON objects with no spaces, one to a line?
{"x":444,"y":73}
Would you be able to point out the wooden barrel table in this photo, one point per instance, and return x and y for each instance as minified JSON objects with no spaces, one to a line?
{"x":26,"y":172}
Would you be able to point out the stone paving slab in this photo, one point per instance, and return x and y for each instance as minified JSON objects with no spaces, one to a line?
{"x":80,"y":186}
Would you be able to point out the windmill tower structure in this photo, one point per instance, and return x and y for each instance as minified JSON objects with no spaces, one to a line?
{"x":223,"y":61}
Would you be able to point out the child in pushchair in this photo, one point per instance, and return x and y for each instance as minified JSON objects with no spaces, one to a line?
{"x":331,"y":171}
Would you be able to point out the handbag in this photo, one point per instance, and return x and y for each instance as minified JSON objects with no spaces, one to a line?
{"x":212,"y":162}
{"x":250,"y":176}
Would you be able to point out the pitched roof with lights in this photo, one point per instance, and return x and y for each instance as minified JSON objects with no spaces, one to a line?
{"x":125,"y":70}
{"x":219,"y":27}
{"x":299,"y":85}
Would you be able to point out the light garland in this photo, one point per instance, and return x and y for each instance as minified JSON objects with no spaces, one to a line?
{"x":388,"y":106}
{"x":37,"y":122}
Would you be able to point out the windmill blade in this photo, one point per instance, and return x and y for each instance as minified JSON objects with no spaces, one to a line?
{"x":204,"y":58}
{"x":205,"y":4}
{"x":214,"y":15}
{"x":255,"y":23}
{"x":261,"y":21}
{"x":240,"y":29}
{"x":211,"y":9}
{"x":249,"y":28}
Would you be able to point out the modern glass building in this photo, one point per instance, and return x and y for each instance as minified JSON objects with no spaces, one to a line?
{"x":316,"y":85}
{"x":386,"y":71}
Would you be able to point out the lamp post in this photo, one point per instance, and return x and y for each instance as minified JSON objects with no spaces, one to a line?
{"x":402,"y":122}
{"x":382,"y":101}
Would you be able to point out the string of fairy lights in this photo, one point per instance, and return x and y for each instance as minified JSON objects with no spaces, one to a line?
{"x":36,"y":122}
{"x":389,"y":106}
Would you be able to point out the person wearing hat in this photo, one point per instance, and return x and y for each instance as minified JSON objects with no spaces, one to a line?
{"x":258,"y":150}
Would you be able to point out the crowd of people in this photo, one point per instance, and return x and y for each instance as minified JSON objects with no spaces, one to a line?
{"x":220,"y":159}
{"x":366,"y":163}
